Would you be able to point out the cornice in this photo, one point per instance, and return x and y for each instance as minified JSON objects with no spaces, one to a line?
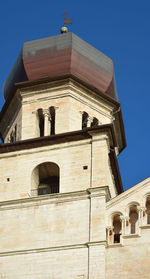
{"x":96,"y":243}
{"x":55,"y":198}
{"x":99,"y":191}
{"x":71,"y":88}
{"x":58,"y":139}
{"x":68,"y":79}
{"x":55,"y":80}
{"x":128,"y":193}
{"x":85,"y":245}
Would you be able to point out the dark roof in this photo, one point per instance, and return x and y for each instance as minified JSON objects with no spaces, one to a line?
{"x":63,"y":54}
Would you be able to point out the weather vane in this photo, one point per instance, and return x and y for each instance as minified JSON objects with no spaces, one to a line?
{"x":67,"y":20}
{"x":64,"y":29}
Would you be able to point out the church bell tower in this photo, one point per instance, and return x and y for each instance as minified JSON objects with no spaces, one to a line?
{"x":62,"y":130}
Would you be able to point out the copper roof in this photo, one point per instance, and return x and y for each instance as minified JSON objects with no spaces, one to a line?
{"x":59,"y":55}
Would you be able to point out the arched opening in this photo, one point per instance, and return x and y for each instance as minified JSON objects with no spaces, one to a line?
{"x":84,"y":119}
{"x":148,"y":210}
{"x":116,"y":228}
{"x":52,"y":115}
{"x":133,"y":218}
{"x":45,"y":178}
{"x":41,"y":122}
{"x":95,"y":122}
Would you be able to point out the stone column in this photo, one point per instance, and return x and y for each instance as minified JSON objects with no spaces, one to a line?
{"x":141,"y":210}
{"x":47,"y":122}
{"x":124,"y":221}
{"x":89,"y":121}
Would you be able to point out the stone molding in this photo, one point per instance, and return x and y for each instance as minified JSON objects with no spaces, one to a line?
{"x":41,"y":250}
{"x":99,"y":191}
{"x":134,"y":235}
{"x":98,"y":138}
{"x":51,"y":249}
{"x":114,"y":245}
{"x":46,"y":148}
{"x":83,"y":137}
{"x":128,"y":193}
{"x":145,"y":226}
{"x":54,"y":198}
{"x":67,"y":85}
{"x":96,"y":243}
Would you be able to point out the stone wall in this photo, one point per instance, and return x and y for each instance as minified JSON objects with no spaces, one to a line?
{"x":131,"y":257}
{"x":56,"y":236}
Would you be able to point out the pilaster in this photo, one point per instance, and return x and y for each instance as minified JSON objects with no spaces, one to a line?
{"x":97,"y":233}
{"x":101,"y":173}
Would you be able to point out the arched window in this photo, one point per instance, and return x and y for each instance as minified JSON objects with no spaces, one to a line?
{"x":133,"y":218}
{"x":46,"y":120}
{"x":95,"y":122}
{"x":45,"y":178}
{"x":52,"y":115}
{"x":148,"y":210}
{"x":41,"y":122}
{"x":84,"y":119}
{"x":116,"y":228}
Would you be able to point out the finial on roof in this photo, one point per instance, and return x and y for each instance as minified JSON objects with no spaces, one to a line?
{"x":64,"y":29}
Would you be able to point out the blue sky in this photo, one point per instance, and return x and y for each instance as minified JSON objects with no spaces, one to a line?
{"x":120,"y":29}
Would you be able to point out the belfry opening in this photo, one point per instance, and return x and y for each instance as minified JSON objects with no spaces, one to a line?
{"x":45,"y":179}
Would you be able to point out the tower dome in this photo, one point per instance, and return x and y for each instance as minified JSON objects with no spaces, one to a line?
{"x":59,"y":56}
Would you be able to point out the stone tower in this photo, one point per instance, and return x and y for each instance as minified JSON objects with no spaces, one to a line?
{"x":62,"y":131}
